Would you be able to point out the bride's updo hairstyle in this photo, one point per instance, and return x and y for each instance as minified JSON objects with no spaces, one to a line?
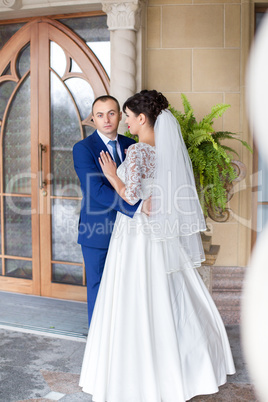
{"x":150,"y":103}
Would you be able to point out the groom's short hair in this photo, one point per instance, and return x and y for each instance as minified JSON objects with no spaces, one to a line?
{"x":104,"y":98}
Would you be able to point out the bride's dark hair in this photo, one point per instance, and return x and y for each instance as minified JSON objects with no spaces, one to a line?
{"x":150,"y":103}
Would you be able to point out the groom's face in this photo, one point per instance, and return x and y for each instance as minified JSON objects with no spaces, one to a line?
{"x":106,"y":117}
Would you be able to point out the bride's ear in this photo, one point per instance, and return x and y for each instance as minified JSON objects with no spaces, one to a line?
{"x":142,"y":118}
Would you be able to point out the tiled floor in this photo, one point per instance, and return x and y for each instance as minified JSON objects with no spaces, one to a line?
{"x":43,"y":314}
{"x":43,"y":363}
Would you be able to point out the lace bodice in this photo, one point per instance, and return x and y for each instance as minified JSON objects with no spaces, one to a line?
{"x":137,"y":171}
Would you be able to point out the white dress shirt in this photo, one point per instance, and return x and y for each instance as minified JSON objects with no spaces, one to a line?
{"x":110,"y":148}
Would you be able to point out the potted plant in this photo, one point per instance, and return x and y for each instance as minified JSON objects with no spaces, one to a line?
{"x":213,"y":167}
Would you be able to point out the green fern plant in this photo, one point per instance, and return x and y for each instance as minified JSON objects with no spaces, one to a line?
{"x":211,"y":160}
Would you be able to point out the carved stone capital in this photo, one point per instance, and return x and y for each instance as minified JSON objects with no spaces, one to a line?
{"x":123,"y":15}
{"x":8,"y":3}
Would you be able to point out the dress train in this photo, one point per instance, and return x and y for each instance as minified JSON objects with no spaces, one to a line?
{"x":154,"y":337}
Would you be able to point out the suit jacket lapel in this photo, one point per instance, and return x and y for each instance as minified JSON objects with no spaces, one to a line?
{"x":98,"y":144}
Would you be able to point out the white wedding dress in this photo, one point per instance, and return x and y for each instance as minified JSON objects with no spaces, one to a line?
{"x":154,"y":337}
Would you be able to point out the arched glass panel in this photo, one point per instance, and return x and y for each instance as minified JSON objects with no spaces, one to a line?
{"x":65,"y":132}
{"x":23,"y":61}
{"x":75,"y":67}
{"x":6,"y":89}
{"x":83,"y":95}
{"x":57,"y":59}
{"x":7,"y":70}
{"x":17,"y":143}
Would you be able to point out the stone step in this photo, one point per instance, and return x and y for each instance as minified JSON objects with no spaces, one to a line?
{"x":231,"y":317}
{"x":227,"y":285}
{"x":229,"y":308}
{"x":228,"y":270}
{"x":227,"y":299}
{"x":228,"y":278}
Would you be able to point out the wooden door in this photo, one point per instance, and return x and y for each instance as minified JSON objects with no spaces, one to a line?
{"x":48,"y":80}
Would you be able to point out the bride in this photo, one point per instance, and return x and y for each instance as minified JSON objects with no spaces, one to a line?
{"x":156,"y":334}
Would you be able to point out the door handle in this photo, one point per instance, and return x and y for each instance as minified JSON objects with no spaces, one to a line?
{"x":42,"y":183}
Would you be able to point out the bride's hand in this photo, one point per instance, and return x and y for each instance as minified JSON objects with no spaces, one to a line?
{"x":107,"y":164}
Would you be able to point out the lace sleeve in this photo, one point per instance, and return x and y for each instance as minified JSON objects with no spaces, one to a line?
{"x":133,"y":174}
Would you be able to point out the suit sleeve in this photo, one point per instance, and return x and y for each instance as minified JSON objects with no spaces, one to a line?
{"x":94,"y":184}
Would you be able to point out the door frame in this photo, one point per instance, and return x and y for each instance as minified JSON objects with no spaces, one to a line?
{"x":39,"y":31}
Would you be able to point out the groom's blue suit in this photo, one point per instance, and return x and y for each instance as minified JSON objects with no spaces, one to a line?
{"x":99,"y":206}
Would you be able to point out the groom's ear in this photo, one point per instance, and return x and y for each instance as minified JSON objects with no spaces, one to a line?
{"x":120,"y":116}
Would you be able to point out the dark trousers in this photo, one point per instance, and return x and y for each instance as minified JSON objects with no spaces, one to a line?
{"x":94,"y":259}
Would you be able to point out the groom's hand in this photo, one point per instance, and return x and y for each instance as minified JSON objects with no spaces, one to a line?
{"x":147,"y":206}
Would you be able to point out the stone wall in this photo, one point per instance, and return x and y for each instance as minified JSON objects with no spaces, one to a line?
{"x":200,"y":48}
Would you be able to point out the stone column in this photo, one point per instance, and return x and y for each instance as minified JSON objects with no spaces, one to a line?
{"x":123,"y":22}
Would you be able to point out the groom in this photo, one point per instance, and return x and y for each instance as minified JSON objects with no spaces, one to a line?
{"x":100,"y":202}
